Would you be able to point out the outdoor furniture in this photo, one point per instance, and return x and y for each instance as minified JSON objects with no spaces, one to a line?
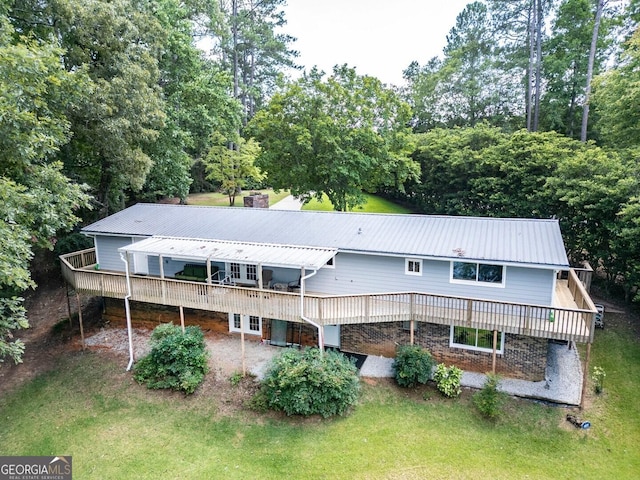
{"x":194,"y":272}
{"x":293,"y":286}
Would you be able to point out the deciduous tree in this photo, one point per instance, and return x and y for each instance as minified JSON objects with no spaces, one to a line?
{"x":36,"y":200}
{"x":341,"y":136}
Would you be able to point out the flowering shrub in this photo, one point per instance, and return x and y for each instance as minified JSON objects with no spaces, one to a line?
{"x":448,"y":380}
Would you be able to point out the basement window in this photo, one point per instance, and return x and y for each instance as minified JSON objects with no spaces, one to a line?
{"x":475,"y":339}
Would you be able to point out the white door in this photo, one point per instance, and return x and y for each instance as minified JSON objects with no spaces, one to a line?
{"x":251,"y":324}
{"x":140,"y":264}
{"x":332,"y":336}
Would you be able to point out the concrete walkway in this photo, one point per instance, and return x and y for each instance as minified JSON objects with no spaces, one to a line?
{"x":562,"y":383}
{"x":287,"y":203}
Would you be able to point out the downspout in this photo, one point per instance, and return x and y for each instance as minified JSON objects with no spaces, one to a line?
{"x":304,"y":277}
{"x":127,"y":310}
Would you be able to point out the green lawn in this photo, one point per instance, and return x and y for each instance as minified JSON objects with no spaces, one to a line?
{"x":91,"y":409}
{"x":214,"y":199}
{"x":373,"y":204}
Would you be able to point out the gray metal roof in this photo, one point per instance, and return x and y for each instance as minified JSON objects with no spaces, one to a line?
{"x":530,"y":242}
{"x":312,"y":258}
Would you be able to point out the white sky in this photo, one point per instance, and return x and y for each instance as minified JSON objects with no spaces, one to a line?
{"x":378,"y":37}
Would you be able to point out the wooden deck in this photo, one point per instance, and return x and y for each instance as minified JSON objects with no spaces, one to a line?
{"x":570,"y":318}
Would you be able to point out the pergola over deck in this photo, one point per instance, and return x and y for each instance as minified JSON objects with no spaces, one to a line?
{"x":207,"y":251}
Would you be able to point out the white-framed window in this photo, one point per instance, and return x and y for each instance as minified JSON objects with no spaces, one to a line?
{"x":243,"y":273}
{"x":479,"y":273}
{"x":251,"y":323}
{"x":413,"y":266}
{"x":331,"y":263}
{"x":235,"y":270}
{"x":252,"y":272}
{"x":475,"y":339}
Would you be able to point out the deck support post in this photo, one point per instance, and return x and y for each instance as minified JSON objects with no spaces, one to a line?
{"x":495,"y":348}
{"x":411,"y":330}
{"x":585,"y":376}
{"x":244,"y":363}
{"x":182,"y":318}
{"x":68,"y":304}
{"x":80,"y":319}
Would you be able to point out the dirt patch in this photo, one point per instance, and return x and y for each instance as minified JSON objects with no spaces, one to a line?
{"x":50,"y":333}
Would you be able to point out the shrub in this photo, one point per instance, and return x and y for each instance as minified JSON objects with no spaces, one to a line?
{"x":412,"y":365}
{"x":307,"y":383}
{"x":177,"y":360}
{"x":489,"y":399}
{"x":598,"y":377}
{"x":448,"y":380}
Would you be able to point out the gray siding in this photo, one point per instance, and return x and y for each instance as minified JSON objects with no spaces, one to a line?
{"x":107,"y":251}
{"x":362,"y":274}
{"x":377,"y":274}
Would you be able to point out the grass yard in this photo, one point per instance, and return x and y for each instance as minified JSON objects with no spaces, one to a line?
{"x":90,"y":408}
{"x":214,"y":199}
{"x":373,"y":204}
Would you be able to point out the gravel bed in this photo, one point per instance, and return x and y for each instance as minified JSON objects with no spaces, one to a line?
{"x":225,"y":350}
{"x":562,"y":383}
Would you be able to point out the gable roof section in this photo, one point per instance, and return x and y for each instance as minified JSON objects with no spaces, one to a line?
{"x":527,"y":242}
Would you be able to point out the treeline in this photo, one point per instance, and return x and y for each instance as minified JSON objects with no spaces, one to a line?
{"x":484,"y":171}
{"x":531,"y":111}
{"x":105,"y":102}
{"x":140,"y":104}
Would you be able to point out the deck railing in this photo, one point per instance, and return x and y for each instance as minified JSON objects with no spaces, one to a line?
{"x":522,"y":319}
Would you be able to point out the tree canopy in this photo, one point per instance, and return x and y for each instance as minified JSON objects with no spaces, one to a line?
{"x":37,"y":201}
{"x":341,"y":136}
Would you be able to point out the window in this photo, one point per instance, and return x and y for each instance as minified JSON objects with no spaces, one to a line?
{"x":252,"y":272}
{"x":475,"y":339}
{"x":413,"y":266}
{"x":235,"y":270}
{"x":482,"y":273}
{"x":406,"y":325}
{"x":254,"y":324}
{"x":331,"y":263}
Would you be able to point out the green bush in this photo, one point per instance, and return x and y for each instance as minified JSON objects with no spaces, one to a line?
{"x":598,"y":377}
{"x":308,"y":383}
{"x":177,"y":360}
{"x":412,"y":365}
{"x":448,"y":380}
{"x":489,"y":399}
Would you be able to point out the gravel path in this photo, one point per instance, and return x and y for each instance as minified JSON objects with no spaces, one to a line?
{"x":563,"y":382}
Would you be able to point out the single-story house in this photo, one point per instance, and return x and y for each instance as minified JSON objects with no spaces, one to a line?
{"x":486,"y":294}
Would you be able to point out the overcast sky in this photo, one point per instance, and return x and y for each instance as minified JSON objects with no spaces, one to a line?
{"x":378,"y":37}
